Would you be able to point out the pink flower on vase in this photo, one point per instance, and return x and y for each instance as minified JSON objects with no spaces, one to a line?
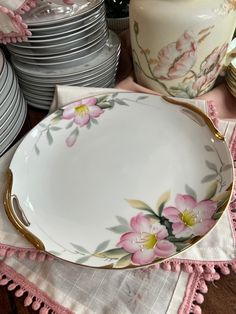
{"x":176,"y":59}
{"x":146,"y":241}
{"x":189,"y":217}
{"x":210,"y":68}
{"x":82,"y":111}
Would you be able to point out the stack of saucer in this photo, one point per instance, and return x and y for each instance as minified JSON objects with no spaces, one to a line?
{"x":69,"y":45}
{"x":12,"y":105}
{"x":230,"y":77}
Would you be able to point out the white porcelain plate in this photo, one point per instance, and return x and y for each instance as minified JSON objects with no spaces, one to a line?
{"x":120,"y":181}
{"x":53,"y":12}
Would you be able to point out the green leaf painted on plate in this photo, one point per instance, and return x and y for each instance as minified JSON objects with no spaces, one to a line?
{"x":112,"y":254}
{"x":140,"y":205}
{"x":164,"y":198}
{"x":226,"y":167}
{"x":221,"y":199}
{"x":209,"y":148}
{"x":211,"y":165}
{"x":80,"y":248}
{"x":122,"y":220}
{"x":83,"y":259}
{"x":180,"y":246}
{"x":102,"y":246}
{"x":190,"y":191}
{"x":107,"y":104}
{"x":119,"y":229}
{"x":49,"y":137}
{"x":209,"y":177}
{"x":211,"y":190}
{"x":217,"y":215}
{"x":123,"y":261}
{"x":174,"y":239}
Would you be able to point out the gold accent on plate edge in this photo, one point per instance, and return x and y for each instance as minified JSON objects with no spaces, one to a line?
{"x":13,"y":218}
{"x":39,"y":244}
{"x":207,"y":120}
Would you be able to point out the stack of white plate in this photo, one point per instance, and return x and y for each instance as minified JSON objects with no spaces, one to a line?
{"x":70,"y":45}
{"x":12,"y":105}
{"x":230,"y":77}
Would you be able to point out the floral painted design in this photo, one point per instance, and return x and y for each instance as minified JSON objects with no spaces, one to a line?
{"x":226,"y":7}
{"x":81,"y":112}
{"x":189,"y":217}
{"x":210,"y":68}
{"x":146,"y":241}
{"x":177,"y":59}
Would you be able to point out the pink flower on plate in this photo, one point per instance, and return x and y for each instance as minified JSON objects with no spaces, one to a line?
{"x":210,"y":68}
{"x":146,"y":241}
{"x":176,"y":59}
{"x":82,"y":111}
{"x":189,"y":217}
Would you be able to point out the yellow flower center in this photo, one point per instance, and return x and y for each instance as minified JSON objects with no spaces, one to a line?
{"x":150,"y":241}
{"x":188,"y":218}
{"x":81,"y":110}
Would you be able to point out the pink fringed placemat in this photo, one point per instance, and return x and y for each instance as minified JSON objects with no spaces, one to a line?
{"x":177,"y":286}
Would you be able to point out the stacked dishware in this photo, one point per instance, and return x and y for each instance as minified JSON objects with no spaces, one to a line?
{"x":70,"y":45}
{"x":12,"y":105}
{"x":230,"y":77}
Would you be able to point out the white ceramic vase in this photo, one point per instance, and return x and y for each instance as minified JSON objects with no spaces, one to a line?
{"x":179,"y":46}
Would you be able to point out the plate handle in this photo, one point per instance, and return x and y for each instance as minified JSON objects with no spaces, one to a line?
{"x":16,"y":214}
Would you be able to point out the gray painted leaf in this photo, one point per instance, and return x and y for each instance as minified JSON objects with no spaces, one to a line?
{"x":94,"y":121}
{"x":226,"y":167}
{"x":102,"y":246}
{"x":121,"y":102}
{"x":82,"y":259}
{"x":36,"y":149}
{"x":209,"y":148}
{"x":209,"y":178}
{"x":142,"y":98}
{"x":211,"y":165}
{"x":49,"y":137}
{"x":190,"y":191}
{"x":122,"y":220}
{"x":114,"y":95}
{"x":88,"y":125}
{"x":80,"y":248}
{"x":69,"y":125}
{"x":119,"y":229}
{"x":55,"y":128}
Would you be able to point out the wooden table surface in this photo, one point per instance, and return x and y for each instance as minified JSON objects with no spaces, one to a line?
{"x":220,"y":299}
